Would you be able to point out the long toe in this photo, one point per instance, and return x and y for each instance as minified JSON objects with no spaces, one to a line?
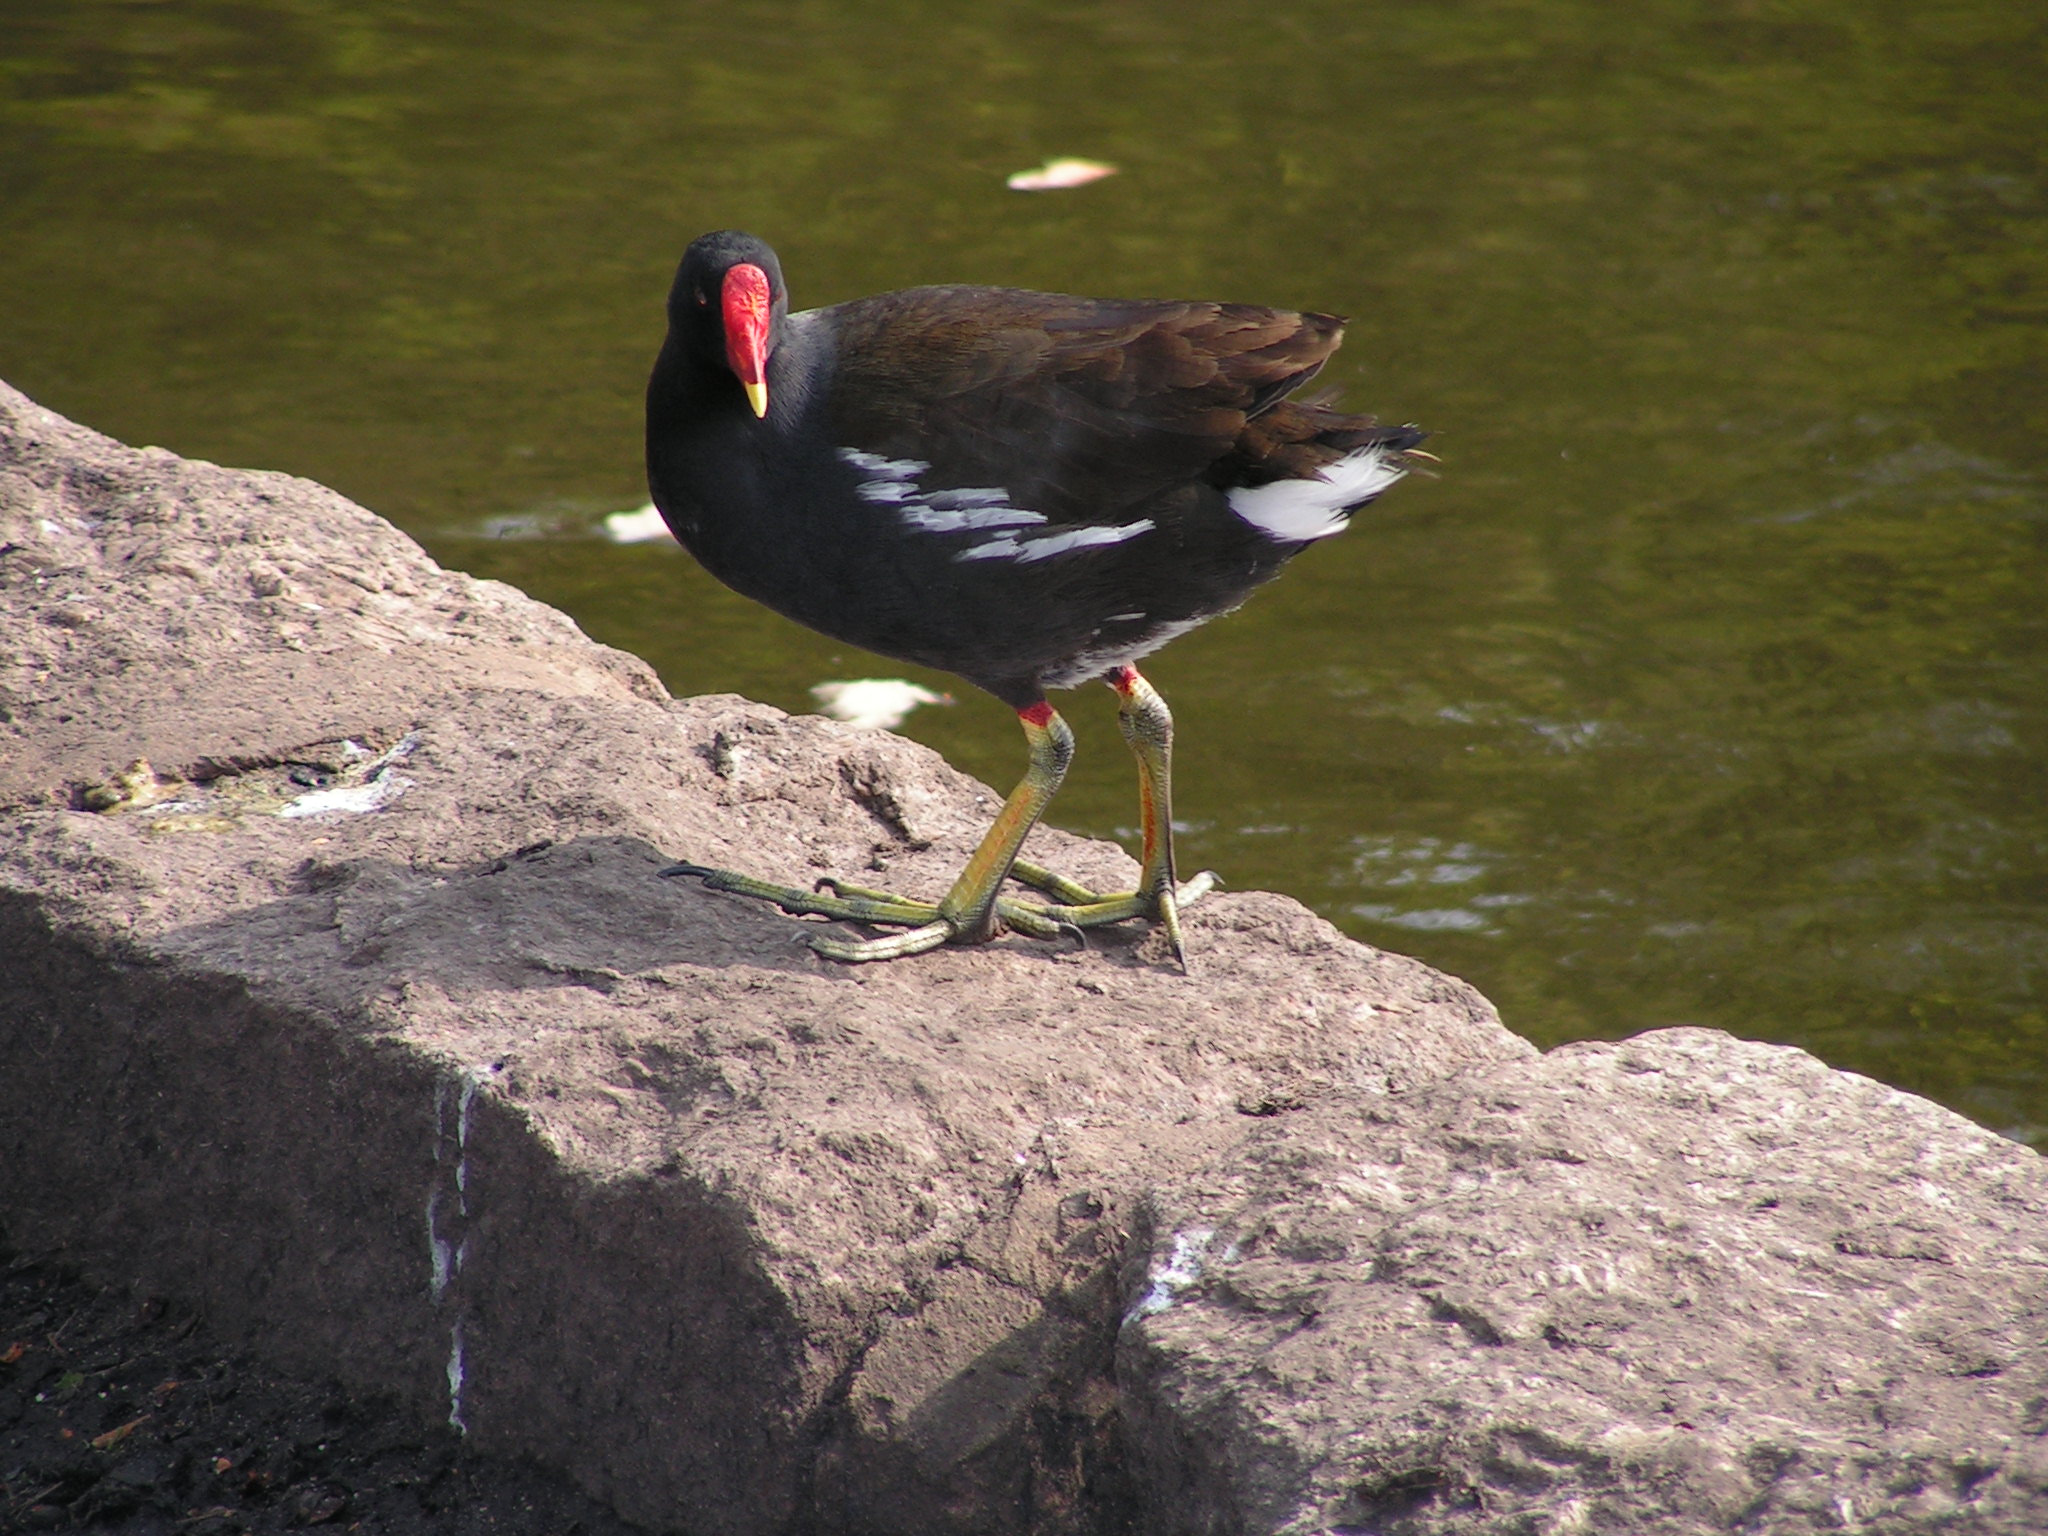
{"x":894,"y":946}
{"x":855,"y":905}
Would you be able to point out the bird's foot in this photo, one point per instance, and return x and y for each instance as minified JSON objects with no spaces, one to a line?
{"x":926,"y":926}
{"x":1077,"y":906}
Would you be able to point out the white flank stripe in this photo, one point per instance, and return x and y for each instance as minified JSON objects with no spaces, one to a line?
{"x":888,"y":482}
{"x":958,"y":519}
{"x":1009,"y":546}
{"x":968,"y":496}
{"x":957,"y":509}
{"x":888,"y":469}
{"x":888,"y":493}
{"x":1297,"y":511}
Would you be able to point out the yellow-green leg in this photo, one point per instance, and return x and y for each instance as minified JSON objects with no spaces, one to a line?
{"x":973,"y":911}
{"x":1147,"y":725}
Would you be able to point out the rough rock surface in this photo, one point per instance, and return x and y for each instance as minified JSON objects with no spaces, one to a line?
{"x":356,"y":1015}
{"x":1678,"y":1284}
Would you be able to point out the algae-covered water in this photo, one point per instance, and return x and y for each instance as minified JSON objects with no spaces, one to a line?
{"x":1708,"y":684}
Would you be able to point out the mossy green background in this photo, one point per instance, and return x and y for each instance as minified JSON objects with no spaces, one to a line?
{"x":1708,"y":684}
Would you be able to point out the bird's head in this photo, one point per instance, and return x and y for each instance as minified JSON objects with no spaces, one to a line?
{"x":726,"y":304}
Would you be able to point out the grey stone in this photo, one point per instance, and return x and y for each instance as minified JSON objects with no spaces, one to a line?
{"x":1678,"y":1284}
{"x":432,"y":1086}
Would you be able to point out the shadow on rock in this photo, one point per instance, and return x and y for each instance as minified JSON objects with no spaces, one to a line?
{"x":584,"y":913}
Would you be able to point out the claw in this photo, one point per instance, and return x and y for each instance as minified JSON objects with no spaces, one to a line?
{"x":1025,"y":918}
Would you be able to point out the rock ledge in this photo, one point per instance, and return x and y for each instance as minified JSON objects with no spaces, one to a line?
{"x":338,"y":997}
{"x":358,"y":1017}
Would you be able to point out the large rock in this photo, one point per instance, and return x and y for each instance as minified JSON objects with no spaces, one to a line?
{"x":358,"y":1015}
{"x":1679,"y":1284}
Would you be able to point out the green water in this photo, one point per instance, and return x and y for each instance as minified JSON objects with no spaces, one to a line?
{"x":1709,"y":683}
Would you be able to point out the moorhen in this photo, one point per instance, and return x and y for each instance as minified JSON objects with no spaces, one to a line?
{"x":1027,"y":489}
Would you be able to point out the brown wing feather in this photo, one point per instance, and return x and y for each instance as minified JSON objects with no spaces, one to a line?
{"x":1082,"y":408}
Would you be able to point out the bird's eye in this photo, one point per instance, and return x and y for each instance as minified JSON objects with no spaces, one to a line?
{"x":702,"y":302}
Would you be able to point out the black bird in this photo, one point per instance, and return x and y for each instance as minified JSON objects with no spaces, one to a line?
{"x":1027,"y":489}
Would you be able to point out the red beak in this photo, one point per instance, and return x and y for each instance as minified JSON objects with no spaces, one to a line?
{"x":746,"y":302}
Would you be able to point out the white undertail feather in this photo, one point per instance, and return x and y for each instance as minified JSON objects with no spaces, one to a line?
{"x":1296,"y":511}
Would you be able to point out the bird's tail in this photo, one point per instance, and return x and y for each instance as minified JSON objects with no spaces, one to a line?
{"x":1299,"y":439}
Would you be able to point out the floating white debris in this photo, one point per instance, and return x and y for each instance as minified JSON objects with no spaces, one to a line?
{"x":874,"y":703}
{"x":635,"y":527}
{"x":1057,"y":175}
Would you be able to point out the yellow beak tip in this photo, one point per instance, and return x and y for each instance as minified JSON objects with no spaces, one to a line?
{"x":757,"y":397}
